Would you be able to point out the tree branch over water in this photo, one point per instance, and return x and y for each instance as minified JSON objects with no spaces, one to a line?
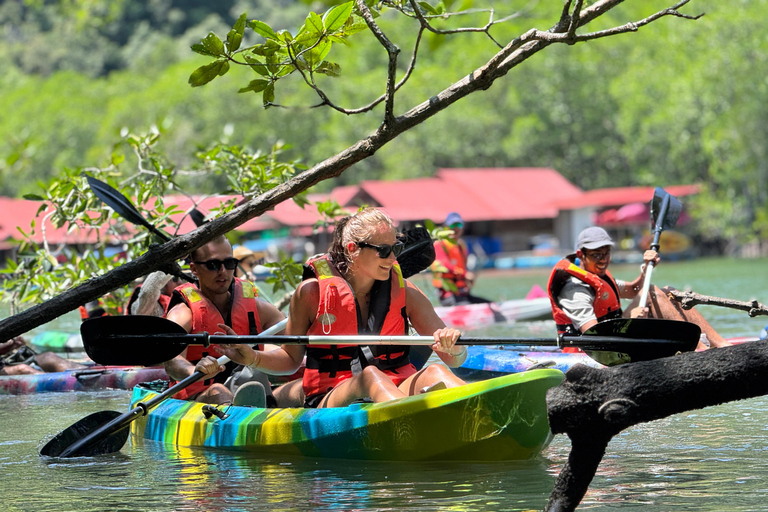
{"x":593,"y":405}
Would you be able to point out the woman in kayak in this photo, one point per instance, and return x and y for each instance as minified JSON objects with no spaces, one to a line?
{"x":357,"y":288}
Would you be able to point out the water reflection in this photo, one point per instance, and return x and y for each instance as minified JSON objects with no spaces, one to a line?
{"x":196,"y":479}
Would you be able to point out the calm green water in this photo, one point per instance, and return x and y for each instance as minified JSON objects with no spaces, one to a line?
{"x":713,"y":459}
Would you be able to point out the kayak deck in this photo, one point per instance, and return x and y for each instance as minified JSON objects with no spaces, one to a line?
{"x":90,"y":379}
{"x":493,"y":420}
{"x":485,"y":362}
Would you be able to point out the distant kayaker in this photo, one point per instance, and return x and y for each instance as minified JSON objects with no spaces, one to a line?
{"x":357,"y":288}
{"x":221,"y":303}
{"x":583,"y":295}
{"x":16,"y":358}
{"x":452,"y":277}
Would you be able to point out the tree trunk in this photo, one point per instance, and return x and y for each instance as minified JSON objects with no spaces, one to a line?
{"x":592,"y":405}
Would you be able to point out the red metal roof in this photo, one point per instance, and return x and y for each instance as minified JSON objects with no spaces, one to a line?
{"x":607,"y":197}
{"x":477,"y":194}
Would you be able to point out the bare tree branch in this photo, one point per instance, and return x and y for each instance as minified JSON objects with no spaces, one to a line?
{"x":689,"y":300}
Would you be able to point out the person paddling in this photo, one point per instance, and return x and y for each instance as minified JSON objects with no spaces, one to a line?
{"x":221,"y":303}
{"x":358,"y":288}
{"x":583,"y":295}
{"x":452,"y":277}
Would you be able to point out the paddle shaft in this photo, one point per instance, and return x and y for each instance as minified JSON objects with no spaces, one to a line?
{"x":142,"y":409}
{"x":583,"y":342}
{"x":655,"y":246}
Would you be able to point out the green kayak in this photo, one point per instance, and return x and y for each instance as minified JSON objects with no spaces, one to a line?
{"x":493,"y":420}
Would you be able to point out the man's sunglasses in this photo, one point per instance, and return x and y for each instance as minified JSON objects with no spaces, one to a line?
{"x":215,"y":265}
{"x":384,"y":250}
{"x":597,"y":255}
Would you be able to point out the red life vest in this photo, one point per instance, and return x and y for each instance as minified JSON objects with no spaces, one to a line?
{"x":244,"y":320}
{"x":337,"y":314}
{"x":453,"y":255}
{"x":607,"y":301}
{"x":163,"y":300}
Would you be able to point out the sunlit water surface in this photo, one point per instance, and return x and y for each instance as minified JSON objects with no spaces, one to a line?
{"x":712,"y":459}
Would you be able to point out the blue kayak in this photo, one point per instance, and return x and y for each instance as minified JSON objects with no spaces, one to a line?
{"x":486,"y":362}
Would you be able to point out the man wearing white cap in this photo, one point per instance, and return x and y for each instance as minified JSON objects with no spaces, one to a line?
{"x":585,"y":294}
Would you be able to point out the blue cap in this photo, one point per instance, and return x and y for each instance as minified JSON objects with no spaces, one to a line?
{"x":453,"y":218}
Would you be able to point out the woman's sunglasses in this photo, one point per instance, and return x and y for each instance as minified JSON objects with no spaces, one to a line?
{"x":384,"y":250}
{"x":215,"y":265}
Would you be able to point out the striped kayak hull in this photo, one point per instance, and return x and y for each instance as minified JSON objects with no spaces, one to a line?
{"x":91,"y":379}
{"x":493,"y":420}
{"x":486,"y":362}
{"x":473,"y":316}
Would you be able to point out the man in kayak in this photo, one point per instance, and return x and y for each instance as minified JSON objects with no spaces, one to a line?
{"x":585,"y":294}
{"x":452,"y":277}
{"x":16,"y":358}
{"x":220,"y":303}
{"x":358,"y":288}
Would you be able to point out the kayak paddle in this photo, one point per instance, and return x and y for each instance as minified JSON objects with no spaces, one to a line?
{"x":106,"y":431}
{"x":146,"y":341}
{"x":665,"y":210}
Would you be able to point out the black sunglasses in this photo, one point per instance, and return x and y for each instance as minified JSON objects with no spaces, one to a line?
{"x":215,"y":265}
{"x":384,"y":250}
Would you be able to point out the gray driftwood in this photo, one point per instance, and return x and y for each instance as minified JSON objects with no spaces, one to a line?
{"x":688,"y":300}
{"x":593,"y":405}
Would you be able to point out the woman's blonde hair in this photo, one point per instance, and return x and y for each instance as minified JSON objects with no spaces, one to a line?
{"x":356,"y":228}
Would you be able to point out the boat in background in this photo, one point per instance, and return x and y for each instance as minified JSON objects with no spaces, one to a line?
{"x":57,"y":341}
{"x":95,"y":378}
{"x":493,"y":420}
{"x":473,"y":316}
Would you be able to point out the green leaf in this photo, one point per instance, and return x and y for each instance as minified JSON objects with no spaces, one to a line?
{"x":329,"y":69}
{"x":233,"y":40}
{"x":262,"y":29}
{"x":255,"y":86}
{"x":335,"y":18}
{"x":214,"y":45}
{"x":428,"y":8}
{"x":224,"y":68}
{"x":33,"y":197}
{"x":314,"y":24}
{"x":269,"y":94}
{"x":205,"y":74}
{"x":202,"y":50}
{"x":316,"y":56}
{"x":256,"y":65}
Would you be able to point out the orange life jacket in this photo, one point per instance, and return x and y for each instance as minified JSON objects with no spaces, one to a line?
{"x":338,"y":314}
{"x":450,"y":265}
{"x":243,"y":318}
{"x":607,"y":301}
{"x":163,"y":300}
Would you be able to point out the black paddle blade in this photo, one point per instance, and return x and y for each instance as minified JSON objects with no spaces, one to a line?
{"x":674,"y":208}
{"x":69,"y":436}
{"x":122,"y":206}
{"x":197,"y":217}
{"x":678,"y":336}
{"x":419,"y":252}
{"x":104,"y":345}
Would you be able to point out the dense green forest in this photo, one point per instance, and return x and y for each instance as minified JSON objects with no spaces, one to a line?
{"x":681,"y":102}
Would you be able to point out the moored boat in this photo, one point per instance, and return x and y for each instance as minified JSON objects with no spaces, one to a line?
{"x":57,"y":341}
{"x":497,"y":419}
{"x":89,"y":379}
{"x":473,"y":316}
